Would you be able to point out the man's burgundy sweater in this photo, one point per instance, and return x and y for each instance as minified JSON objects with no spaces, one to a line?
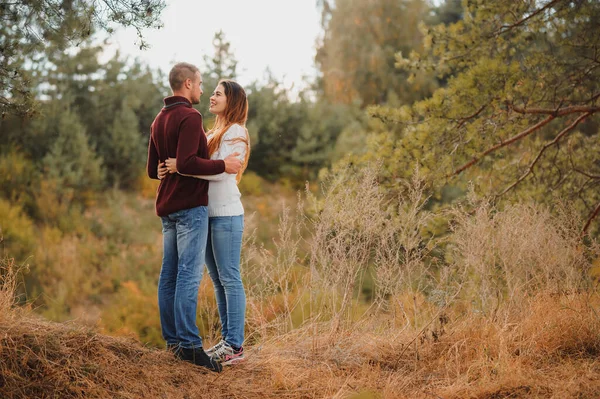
{"x":177,"y":132}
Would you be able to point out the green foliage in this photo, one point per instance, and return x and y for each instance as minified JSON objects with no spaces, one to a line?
{"x":112,"y":219}
{"x":29,"y":28}
{"x":70,"y":161}
{"x":18,"y":179}
{"x":519,"y":114}
{"x":116,"y":102}
{"x":273,"y":123}
{"x":16,"y":232}
{"x":293,"y":140}
{"x":55,"y":205}
{"x":251,"y":184}
{"x":60,"y":290}
{"x":126,"y":148}
{"x":318,"y":135}
{"x":90,"y":132}
{"x":222,"y":65}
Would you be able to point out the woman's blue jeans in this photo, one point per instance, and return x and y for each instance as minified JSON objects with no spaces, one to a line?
{"x":223,"y":251}
{"x":184,"y":246}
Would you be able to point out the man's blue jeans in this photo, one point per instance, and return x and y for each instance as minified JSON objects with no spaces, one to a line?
{"x":223,"y":263}
{"x":184,"y":244}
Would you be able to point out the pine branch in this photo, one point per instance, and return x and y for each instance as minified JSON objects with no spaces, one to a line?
{"x":467,"y":118}
{"x":506,"y":28}
{"x":586,"y":174}
{"x":558,"y":137}
{"x":519,"y":136}
{"x":590,"y":219}
{"x":558,"y":111}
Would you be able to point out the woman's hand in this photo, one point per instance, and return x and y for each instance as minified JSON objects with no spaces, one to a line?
{"x":171,"y":164}
{"x":162,"y":171}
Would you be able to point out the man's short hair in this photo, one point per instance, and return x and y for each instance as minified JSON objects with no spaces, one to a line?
{"x":180,"y":72}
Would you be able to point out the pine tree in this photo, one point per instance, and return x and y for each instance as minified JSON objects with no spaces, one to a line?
{"x":318,"y":135}
{"x":221,"y":65}
{"x":520,"y":114}
{"x":127,"y":149}
{"x":274,"y":123}
{"x":70,"y":161}
{"x":30,"y":27}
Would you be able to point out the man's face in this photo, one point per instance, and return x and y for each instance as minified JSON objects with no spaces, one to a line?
{"x":196,"y":90}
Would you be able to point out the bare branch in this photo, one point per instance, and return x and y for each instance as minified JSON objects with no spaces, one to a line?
{"x":590,"y":219}
{"x":466,"y":118}
{"x":576,"y":169}
{"x":506,"y":28}
{"x":556,"y":112}
{"x":519,"y":136}
{"x":580,"y":192}
{"x":589,"y":175}
{"x":544,"y":148}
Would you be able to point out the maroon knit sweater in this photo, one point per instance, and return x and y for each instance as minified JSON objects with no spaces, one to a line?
{"x":177,"y":132}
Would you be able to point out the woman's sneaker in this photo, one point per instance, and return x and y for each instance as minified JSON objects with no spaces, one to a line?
{"x":227,"y":356}
{"x":213,"y":349}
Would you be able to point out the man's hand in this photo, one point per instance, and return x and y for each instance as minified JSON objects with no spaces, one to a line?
{"x":233,"y":163}
{"x":171,"y":164}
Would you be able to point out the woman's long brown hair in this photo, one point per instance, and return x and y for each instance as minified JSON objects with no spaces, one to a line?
{"x":236,"y":112}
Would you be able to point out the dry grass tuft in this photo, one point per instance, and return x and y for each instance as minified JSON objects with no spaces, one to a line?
{"x":7,"y":286}
{"x":9,"y":273}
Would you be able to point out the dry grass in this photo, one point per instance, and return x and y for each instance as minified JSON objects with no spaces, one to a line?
{"x":503,"y":257}
{"x":508,"y":312}
{"x":8,"y":287}
{"x":549,"y":349}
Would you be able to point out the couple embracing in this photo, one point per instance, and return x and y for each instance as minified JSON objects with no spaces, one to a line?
{"x":202,"y":216}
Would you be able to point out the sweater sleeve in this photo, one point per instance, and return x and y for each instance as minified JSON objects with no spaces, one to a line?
{"x":152,"y":163}
{"x":229,"y":146}
{"x":188,"y":163}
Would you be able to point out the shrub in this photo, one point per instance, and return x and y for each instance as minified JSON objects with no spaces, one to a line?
{"x":18,"y":179}
{"x":147,"y":187}
{"x":16,"y":231}
{"x":251,"y":184}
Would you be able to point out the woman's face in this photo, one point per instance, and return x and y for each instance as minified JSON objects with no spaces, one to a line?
{"x":218,"y":101}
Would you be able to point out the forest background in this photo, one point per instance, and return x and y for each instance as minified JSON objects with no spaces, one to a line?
{"x":444,"y":161}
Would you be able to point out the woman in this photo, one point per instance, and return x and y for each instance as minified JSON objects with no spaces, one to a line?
{"x":226,"y":217}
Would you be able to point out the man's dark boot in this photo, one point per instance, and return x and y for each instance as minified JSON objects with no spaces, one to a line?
{"x":198,"y":357}
{"x":173,"y":348}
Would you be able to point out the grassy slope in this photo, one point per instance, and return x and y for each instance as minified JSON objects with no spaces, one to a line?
{"x":547,"y":349}
{"x":539,"y":344}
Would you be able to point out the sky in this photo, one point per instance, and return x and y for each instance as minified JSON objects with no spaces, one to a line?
{"x":277,"y":34}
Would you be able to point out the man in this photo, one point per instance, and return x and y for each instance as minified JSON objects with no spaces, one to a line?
{"x":181,"y":202}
